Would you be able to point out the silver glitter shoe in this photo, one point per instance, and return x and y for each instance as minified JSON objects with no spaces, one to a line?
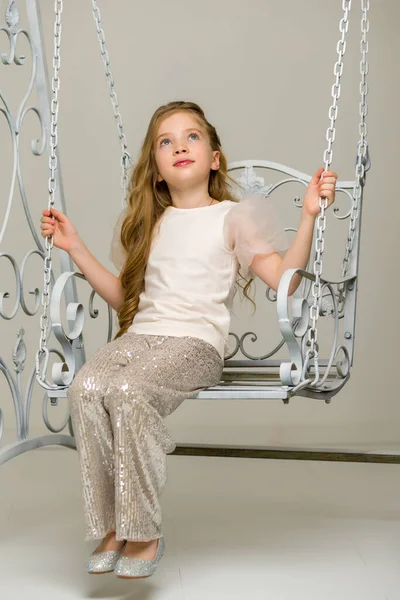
{"x":103,"y":562}
{"x":138,"y":568}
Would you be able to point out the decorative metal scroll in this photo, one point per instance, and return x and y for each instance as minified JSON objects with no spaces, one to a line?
{"x":69,"y":349}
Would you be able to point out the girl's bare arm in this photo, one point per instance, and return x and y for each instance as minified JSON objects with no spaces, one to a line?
{"x":66,"y":237}
{"x":106,"y":284}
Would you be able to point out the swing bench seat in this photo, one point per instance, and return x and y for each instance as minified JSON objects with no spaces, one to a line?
{"x":249,"y":378}
{"x":259,"y":381}
{"x":254,"y":380}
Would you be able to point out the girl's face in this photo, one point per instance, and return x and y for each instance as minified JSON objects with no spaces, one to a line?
{"x":179,"y":138}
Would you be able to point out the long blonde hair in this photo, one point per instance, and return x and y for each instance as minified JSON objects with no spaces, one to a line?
{"x":148,"y":199}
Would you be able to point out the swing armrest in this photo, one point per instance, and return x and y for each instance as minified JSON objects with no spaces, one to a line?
{"x":288,"y":275}
{"x":294,"y":326}
{"x":70,"y":338}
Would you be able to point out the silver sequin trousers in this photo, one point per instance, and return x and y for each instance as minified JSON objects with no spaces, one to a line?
{"x":118,"y":401}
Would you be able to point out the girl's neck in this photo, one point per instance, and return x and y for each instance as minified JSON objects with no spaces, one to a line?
{"x":197,"y":198}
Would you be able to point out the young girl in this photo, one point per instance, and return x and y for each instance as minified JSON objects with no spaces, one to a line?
{"x":179,"y":245}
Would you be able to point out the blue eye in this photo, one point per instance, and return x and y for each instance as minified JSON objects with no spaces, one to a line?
{"x":168,"y":140}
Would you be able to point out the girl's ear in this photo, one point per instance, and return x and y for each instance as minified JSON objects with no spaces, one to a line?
{"x":159,"y":178}
{"x":215,"y":162}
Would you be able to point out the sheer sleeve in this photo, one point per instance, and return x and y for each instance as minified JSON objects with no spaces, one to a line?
{"x":117,"y":254}
{"x":253,"y":227}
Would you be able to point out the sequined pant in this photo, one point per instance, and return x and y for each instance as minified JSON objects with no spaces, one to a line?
{"x":118,"y":401}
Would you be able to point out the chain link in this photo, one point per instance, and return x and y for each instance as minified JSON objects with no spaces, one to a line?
{"x":316,"y":289}
{"x":126,"y":159}
{"x":49,"y":242}
{"x":362,"y":161}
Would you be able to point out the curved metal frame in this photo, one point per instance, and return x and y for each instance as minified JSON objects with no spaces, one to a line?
{"x":338,"y":300}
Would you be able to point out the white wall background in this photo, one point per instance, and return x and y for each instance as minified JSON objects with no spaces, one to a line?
{"x":262,"y":71}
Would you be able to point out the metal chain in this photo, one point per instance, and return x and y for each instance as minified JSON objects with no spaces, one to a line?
{"x":126,"y":159}
{"x":312,"y":352}
{"x":362,"y":162}
{"x":49,"y":242}
{"x":126,"y":162}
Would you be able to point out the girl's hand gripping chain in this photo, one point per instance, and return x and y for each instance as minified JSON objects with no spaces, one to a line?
{"x":321,"y":184}
{"x":58,"y":225}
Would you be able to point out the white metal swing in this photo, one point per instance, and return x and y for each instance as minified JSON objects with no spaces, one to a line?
{"x":305,"y":373}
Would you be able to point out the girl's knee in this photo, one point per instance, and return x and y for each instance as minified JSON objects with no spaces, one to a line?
{"x":131,"y":401}
{"x":117,"y":397}
{"x":78,"y":381}
{"x":84,"y":385}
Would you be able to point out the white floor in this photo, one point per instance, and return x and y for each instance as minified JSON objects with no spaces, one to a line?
{"x":234,"y":529}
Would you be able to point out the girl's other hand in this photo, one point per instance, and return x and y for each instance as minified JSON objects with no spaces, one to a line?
{"x":60,"y":227}
{"x":317,"y":187}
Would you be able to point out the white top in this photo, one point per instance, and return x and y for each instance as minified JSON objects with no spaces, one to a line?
{"x":193,"y":265}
